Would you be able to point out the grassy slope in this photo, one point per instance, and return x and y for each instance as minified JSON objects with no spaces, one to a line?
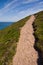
{"x":8,"y":41}
{"x":10,"y":35}
{"x":38,"y":27}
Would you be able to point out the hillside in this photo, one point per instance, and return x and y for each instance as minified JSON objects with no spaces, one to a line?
{"x":10,"y":36}
{"x":38,"y":28}
{"x":38,"y":33}
{"x":8,"y":41}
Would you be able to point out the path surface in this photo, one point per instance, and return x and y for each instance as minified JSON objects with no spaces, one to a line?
{"x":26,"y":54}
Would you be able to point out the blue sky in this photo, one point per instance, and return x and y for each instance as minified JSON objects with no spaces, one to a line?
{"x":14,"y":10}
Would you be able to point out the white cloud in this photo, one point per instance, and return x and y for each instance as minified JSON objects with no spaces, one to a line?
{"x":40,"y":3}
{"x":29,"y":1}
{"x":8,"y":7}
{"x":21,"y":14}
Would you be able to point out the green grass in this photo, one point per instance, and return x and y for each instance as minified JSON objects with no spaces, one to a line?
{"x":8,"y":41}
{"x":10,"y":36}
{"x":38,"y":27}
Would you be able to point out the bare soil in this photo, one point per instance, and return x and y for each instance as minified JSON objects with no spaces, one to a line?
{"x":26,"y":54}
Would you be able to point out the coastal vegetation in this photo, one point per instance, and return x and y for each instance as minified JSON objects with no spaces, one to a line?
{"x":8,"y":41}
{"x":38,"y":33}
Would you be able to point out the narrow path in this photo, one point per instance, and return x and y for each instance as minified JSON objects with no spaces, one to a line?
{"x":26,"y":54}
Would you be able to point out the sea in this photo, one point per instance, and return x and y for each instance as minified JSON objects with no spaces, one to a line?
{"x":4,"y":24}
